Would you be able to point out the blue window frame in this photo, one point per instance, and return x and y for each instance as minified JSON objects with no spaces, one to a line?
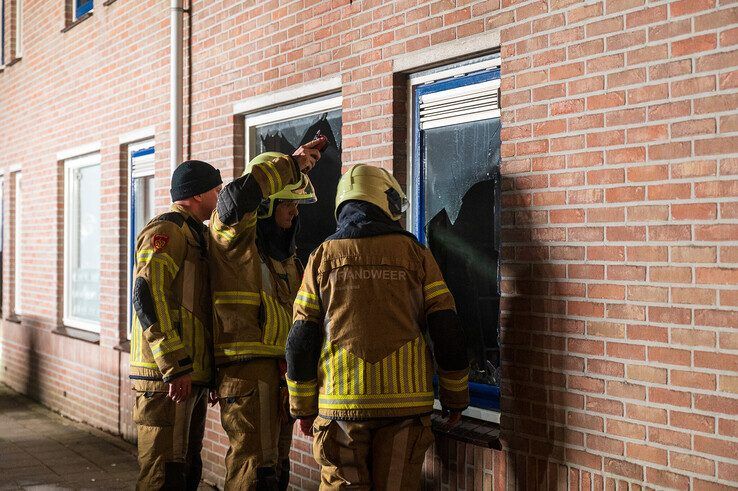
{"x":141,"y":204}
{"x":456,"y":205}
{"x":81,"y":7}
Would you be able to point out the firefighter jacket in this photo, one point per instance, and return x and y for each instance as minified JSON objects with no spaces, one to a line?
{"x":357,"y":348}
{"x":171,"y":332}
{"x":252,"y":314}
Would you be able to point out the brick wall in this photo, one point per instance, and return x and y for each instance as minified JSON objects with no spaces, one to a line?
{"x":620,"y":235}
{"x":620,"y":156}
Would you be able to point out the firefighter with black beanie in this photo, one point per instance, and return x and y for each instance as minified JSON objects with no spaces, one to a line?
{"x":171,"y":342}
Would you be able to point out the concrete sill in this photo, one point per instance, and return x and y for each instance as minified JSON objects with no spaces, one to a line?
{"x":473,"y":431}
{"x":78,"y":21}
{"x":16,"y":319}
{"x":70,"y":332}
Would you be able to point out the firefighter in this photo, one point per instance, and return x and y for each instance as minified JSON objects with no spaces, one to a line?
{"x":171,"y":342}
{"x":254,"y":280}
{"x":359,"y":371}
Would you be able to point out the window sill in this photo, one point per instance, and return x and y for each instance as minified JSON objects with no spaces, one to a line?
{"x":108,"y":2}
{"x":473,"y":431}
{"x":13,"y":61}
{"x":16,"y":319}
{"x":71,"y":332}
{"x":78,"y":21}
{"x":124,"y":346}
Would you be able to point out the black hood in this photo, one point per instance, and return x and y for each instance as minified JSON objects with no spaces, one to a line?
{"x":275,"y":242}
{"x":357,"y":219}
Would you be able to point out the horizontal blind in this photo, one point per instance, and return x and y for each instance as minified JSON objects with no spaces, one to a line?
{"x":460,"y":105}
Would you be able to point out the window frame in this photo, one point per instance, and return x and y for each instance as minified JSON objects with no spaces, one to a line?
{"x":17,"y":309}
{"x":18,"y":41}
{"x":285,"y":112}
{"x":2,"y":34}
{"x":71,"y":164}
{"x":81,"y":7}
{"x":142,"y":149}
{"x":445,"y":78}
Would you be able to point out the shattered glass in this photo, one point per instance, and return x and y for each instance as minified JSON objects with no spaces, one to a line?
{"x":462,"y":206}
{"x":316,"y":220}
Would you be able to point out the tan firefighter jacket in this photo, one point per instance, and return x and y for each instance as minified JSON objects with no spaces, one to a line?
{"x":252,"y":315}
{"x":170,"y":334}
{"x":371,"y":297}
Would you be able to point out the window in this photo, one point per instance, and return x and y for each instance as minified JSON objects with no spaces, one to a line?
{"x":17,"y":245}
{"x":81,"y":7}
{"x":140,"y":203}
{"x":456,"y":202}
{"x":82,"y":242}
{"x":285,"y":128}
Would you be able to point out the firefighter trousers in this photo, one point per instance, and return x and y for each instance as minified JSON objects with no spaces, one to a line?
{"x":250,"y":402}
{"x":381,"y":454}
{"x":170,"y":439}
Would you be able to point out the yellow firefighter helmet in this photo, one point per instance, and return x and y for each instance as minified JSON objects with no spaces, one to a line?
{"x":374,"y":185}
{"x":302,"y":191}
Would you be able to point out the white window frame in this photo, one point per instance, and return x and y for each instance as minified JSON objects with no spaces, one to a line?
{"x":296,"y":109}
{"x":18,"y":28}
{"x":130,"y":238}
{"x":422,"y":78}
{"x":71,"y":164}
{"x":17,"y":247}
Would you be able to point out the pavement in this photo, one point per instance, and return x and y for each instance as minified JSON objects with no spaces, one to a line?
{"x":41,"y":450}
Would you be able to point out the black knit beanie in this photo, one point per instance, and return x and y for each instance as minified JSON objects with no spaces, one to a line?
{"x":193,"y":177}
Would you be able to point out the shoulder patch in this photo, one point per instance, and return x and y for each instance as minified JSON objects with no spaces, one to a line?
{"x":173,"y":217}
{"x":159,"y":241}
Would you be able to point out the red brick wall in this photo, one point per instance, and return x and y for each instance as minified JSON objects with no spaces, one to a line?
{"x":620,"y":226}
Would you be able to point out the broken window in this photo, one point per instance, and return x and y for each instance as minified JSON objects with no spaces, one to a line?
{"x":456,"y":176}
{"x":286,"y":128}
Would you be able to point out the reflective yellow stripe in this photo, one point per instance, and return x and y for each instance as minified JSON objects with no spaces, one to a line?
{"x":240,"y":297}
{"x":141,"y":364}
{"x":276,"y":181}
{"x":160,"y":300}
{"x":433,"y":285}
{"x":248,"y":348}
{"x":266,"y":168}
{"x":302,"y":389}
{"x":436,"y":293}
{"x":378,"y":405}
{"x":307,"y":304}
{"x":302,"y":393}
{"x":360,"y":397}
{"x":224,"y":232}
{"x":454,"y":385}
{"x":309,"y":295}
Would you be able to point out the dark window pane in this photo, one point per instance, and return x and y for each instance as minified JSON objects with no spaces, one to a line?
{"x":462,"y":188}
{"x":316,"y":220}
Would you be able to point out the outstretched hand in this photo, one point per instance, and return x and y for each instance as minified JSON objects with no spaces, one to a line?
{"x":307,"y":155}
